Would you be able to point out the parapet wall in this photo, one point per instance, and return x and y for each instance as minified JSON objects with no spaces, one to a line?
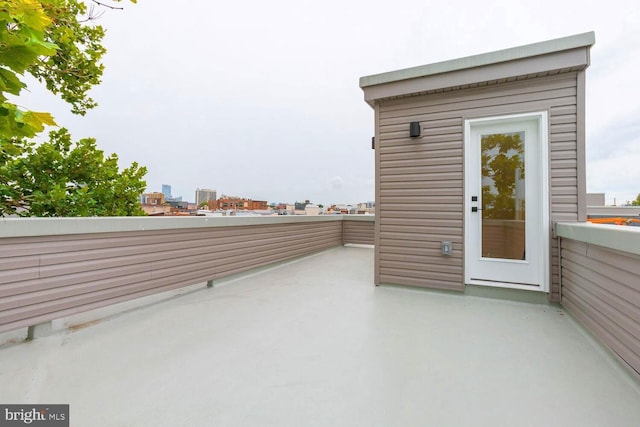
{"x":56,"y":267}
{"x":600,"y":278}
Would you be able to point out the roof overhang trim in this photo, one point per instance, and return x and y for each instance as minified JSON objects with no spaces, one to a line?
{"x":565,"y":53}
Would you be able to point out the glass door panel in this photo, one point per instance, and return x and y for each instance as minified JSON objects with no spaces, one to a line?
{"x":503,"y":195}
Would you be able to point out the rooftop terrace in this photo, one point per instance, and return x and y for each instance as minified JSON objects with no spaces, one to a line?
{"x":313,"y":342}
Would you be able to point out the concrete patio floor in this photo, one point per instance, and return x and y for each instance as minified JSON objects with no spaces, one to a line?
{"x":314,"y":343}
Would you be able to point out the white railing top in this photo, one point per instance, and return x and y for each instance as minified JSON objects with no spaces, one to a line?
{"x":621,"y":238}
{"x":26,"y":227}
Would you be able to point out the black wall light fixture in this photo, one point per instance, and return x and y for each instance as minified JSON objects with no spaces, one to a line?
{"x":414,"y":129}
{"x":373,"y":142}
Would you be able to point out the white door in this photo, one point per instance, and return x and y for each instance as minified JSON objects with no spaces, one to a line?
{"x":506,"y":207}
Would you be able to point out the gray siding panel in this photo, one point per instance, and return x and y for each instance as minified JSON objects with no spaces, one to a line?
{"x":48,"y":277}
{"x":601,"y":288}
{"x":358,"y":232}
{"x":420,"y":181}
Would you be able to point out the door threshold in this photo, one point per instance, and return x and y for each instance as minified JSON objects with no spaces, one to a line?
{"x":508,"y":285}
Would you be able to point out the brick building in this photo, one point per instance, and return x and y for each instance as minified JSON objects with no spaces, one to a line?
{"x":240,"y":204}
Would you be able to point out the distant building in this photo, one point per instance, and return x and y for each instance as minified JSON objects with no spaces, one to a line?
{"x":153,"y":198}
{"x":204,"y":195}
{"x":298,"y":208}
{"x":179,"y":207}
{"x":168,"y":197}
{"x":154,"y":204}
{"x":157,"y":210}
{"x":166,"y":190}
{"x":241,"y":204}
{"x":312,"y":209}
{"x":283,"y":208}
{"x":259,"y":205}
{"x":366,"y":208}
{"x":343,"y":209}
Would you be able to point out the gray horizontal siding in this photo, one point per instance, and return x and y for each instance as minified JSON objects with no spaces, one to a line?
{"x":358,"y":232}
{"x":420,"y":181}
{"x":601,"y":288}
{"x":47,"y":277}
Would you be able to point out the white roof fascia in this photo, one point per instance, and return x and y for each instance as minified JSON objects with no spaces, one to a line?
{"x":500,"y":56}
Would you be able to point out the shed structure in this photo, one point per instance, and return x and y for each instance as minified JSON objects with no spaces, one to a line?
{"x":476,"y":159}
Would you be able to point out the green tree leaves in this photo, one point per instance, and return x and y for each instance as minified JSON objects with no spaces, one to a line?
{"x":502,"y":169}
{"x":23,"y":27}
{"x":75,"y":66}
{"x":60,"y":178}
{"x":55,"y":41}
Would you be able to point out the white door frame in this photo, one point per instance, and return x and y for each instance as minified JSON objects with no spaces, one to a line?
{"x":470,"y":219}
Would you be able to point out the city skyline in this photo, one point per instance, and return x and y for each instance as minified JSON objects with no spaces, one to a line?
{"x":179,"y":197}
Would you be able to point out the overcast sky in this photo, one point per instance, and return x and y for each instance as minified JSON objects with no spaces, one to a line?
{"x":261,"y":99}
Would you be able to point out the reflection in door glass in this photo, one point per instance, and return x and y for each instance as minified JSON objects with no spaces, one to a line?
{"x":503,"y":196}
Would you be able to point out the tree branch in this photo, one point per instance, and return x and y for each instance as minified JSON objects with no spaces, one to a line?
{"x":107,"y":5}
